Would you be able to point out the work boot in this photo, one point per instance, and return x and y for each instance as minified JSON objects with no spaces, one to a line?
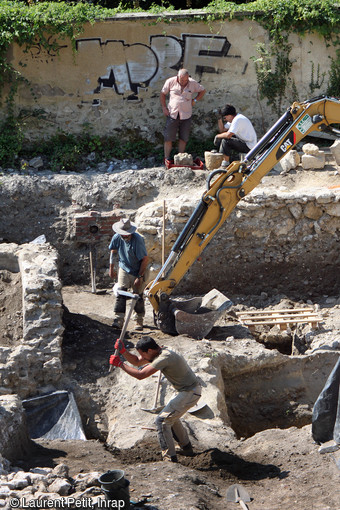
{"x":139,"y":323}
{"x":186,"y":450}
{"x":117,"y":323}
{"x":173,"y":458}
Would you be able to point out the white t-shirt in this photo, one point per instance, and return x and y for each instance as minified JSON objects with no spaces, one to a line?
{"x":243,"y":129}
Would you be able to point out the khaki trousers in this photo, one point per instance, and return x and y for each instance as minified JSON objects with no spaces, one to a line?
{"x":168,"y":421}
{"x":126,"y":282}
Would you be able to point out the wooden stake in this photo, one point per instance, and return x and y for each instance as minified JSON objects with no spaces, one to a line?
{"x":163,"y":235}
{"x":93,"y":267}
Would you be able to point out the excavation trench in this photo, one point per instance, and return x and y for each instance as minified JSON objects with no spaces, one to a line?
{"x":280,"y":394}
{"x":277,"y":396}
{"x":67,"y":333}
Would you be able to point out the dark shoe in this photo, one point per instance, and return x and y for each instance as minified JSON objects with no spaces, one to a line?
{"x":117,"y":324}
{"x":173,"y":458}
{"x":186,"y":450}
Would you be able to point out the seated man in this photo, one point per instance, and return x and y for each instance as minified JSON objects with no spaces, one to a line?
{"x":236,"y":133}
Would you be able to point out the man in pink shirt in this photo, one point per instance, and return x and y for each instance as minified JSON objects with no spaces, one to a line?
{"x":178,"y":113}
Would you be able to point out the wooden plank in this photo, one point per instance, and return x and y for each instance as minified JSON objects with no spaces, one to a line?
{"x":286,"y":310}
{"x":282,"y":318}
{"x":278,"y":317}
{"x":281,"y":321}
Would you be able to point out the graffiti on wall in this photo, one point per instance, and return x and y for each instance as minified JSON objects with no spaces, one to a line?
{"x":38,"y":51}
{"x":127,"y":68}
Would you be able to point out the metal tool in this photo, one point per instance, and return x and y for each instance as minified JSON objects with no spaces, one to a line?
{"x":134,"y":298}
{"x":238,"y":494}
{"x":200,"y":405}
{"x":155,"y":409}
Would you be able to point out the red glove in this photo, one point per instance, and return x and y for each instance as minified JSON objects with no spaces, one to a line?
{"x":119,"y":346}
{"x":115,"y":361}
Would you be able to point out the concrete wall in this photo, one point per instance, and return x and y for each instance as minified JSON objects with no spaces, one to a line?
{"x":112,"y":82}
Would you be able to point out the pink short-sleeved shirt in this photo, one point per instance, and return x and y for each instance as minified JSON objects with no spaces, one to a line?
{"x":180,"y":101}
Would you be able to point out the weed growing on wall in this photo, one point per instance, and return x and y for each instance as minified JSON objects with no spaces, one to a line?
{"x":281,"y":18}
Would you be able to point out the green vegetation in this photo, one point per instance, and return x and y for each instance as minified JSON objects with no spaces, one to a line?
{"x":49,"y":22}
{"x":65,"y":151}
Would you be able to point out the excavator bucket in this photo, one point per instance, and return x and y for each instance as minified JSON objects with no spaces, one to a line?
{"x":196,"y":317}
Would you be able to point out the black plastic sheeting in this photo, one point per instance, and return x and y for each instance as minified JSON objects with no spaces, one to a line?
{"x":53,"y":416}
{"x":326,"y":410}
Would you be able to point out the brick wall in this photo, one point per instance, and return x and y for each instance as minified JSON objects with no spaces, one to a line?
{"x":93,"y":226}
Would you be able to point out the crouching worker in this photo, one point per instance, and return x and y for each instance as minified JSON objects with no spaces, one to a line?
{"x":176,"y":370}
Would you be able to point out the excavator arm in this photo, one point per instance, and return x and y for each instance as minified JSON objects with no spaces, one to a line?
{"x":226,"y":187}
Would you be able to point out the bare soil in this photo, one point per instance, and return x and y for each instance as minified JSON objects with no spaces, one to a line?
{"x":280,"y":469}
{"x":10,"y":309}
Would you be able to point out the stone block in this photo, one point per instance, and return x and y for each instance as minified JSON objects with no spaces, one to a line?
{"x":14,"y":438}
{"x":213,"y":160}
{"x":183,"y":158}
{"x":312,"y":212}
{"x":333,"y":209}
{"x":308,"y":161}
{"x":335,"y":150}
{"x":311,"y":149}
{"x":290,"y":160}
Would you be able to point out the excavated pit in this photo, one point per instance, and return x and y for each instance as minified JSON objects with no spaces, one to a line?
{"x":279,"y":394}
{"x":258,"y":387}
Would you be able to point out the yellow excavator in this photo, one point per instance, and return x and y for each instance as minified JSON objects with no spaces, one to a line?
{"x":225,"y":188}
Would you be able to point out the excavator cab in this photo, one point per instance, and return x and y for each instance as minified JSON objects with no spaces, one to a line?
{"x":225,"y":188}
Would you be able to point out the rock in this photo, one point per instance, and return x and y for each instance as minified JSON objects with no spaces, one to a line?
{"x":84,"y":480}
{"x":213,"y":160}
{"x":290,"y":161}
{"x":329,"y":447}
{"x":312,"y":212}
{"x":183,"y":158}
{"x":311,"y":149}
{"x":60,"y":486}
{"x":36,"y":162}
{"x":61,"y":470}
{"x":309,"y":161}
{"x":41,"y":471}
{"x":335,"y":150}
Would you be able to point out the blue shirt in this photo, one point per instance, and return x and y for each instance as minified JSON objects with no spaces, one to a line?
{"x":130,"y":253}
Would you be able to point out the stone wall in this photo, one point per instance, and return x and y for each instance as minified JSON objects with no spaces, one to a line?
{"x":112,"y":82}
{"x":14,"y":438}
{"x":274,"y":239}
{"x":34,"y":364}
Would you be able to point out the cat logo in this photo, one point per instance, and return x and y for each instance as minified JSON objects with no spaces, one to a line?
{"x":287,"y":144}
